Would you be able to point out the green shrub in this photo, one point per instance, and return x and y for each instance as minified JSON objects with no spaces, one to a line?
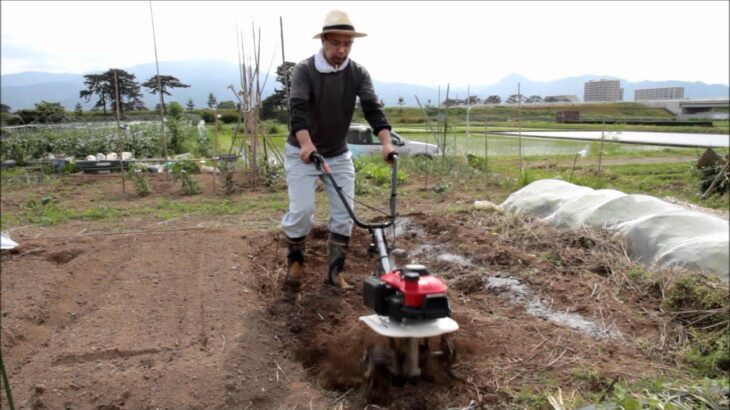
{"x":373,"y":167}
{"x":182,"y":171}
{"x":208,"y":116}
{"x":175,"y":110}
{"x":136,"y":174}
{"x":229,"y":117}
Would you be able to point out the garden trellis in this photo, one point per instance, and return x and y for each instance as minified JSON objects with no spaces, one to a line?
{"x":249,"y":98}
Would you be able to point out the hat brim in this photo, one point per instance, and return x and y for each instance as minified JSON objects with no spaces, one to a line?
{"x":345,"y":32}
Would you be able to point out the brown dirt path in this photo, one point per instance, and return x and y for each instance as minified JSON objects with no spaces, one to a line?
{"x":140,"y":321}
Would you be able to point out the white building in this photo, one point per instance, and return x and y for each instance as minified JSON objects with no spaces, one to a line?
{"x":669,"y":93}
{"x":603,"y":90}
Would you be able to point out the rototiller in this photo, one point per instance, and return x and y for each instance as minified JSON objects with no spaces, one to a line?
{"x":410,"y":305}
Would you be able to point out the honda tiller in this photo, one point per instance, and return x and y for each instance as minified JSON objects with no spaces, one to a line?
{"x":410,"y":305}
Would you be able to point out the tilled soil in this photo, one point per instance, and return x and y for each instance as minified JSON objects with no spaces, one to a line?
{"x":196,"y":318}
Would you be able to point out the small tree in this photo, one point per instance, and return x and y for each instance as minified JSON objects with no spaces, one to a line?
{"x":104,"y":87}
{"x":401,"y":103}
{"x":493,"y":99}
{"x":96,"y":84}
{"x":449,"y":102}
{"x":212,"y":101}
{"x":48,"y":112}
{"x":190,"y":105}
{"x":4,"y":108}
{"x":78,"y":110}
{"x":514,"y":99}
{"x":534,"y":99}
{"x":161,"y":84}
{"x":26,"y":116}
{"x":283,"y":77}
{"x":175,"y":110}
{"x":174,"y":125}
{"x":227,"y":105}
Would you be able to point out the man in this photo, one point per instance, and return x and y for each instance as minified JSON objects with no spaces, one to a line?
{"x":324,"y":88}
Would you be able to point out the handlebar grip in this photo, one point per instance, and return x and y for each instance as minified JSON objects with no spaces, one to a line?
{"x":319,"y":162}
{"x":392,"y":156}
{"x":315,"y":157}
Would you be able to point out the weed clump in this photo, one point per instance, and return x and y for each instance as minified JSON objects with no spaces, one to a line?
{"x":701,"y":304}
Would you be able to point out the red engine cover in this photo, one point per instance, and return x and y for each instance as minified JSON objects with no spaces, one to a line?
{"x":414,"y":292}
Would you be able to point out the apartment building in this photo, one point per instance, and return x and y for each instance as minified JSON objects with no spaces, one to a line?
{"x":603,"y":90}
{"x":668,"y":93}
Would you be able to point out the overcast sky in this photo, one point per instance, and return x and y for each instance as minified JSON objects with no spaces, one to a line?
{"x":426,"y":43}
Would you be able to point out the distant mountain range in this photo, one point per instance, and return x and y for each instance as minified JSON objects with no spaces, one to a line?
{"x":23,"y":90}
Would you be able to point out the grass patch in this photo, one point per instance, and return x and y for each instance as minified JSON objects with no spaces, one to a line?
{"x":647,"y":394}
{"x":677,"y":180}
{"x":702,"y":305}
{"x":167,"y":209}
{"x":47,"y":210}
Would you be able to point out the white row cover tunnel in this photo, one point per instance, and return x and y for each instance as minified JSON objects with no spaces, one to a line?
{"x":657,"y":232}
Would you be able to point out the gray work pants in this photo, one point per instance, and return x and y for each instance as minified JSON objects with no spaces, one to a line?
{"x":301,"y":179}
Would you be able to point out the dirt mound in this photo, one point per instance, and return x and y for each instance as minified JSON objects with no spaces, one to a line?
{"x":500,"y":344}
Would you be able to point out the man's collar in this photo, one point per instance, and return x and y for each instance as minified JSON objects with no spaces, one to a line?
{"x":323,"y":66}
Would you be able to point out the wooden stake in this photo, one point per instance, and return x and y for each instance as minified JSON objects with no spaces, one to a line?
{"x":600,"y":153}
{"x":286,"y":76}
{"x":446,"y":117}
{"x":121,"y":151}
{"x":433,"y":134}
{"x":486,"y":153}
{"x":519,"y":128}
{"x":159,"y":85}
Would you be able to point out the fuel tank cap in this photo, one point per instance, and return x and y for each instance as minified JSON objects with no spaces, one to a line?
{"x":416,"y":268}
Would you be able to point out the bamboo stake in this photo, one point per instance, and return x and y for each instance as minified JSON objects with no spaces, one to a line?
{"x":159,"y":85}
{"x":245,"y":102}
{"x":6,"y":384}
{"x":239,"y":46}
{"x":600,"y":153}
{"x":519,"y":128}
{"x":446,"y":117}
{"x":116,"y":131}
{"x":486,"y":154}
{"x":433,"y":134}
{"x":468,"y":108}
{"x":286,"y":76}
{"x":258,"y":59}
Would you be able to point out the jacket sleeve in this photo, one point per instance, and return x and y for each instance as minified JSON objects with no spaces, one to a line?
{"x":371,"y":107}
{"x":299,"y":99}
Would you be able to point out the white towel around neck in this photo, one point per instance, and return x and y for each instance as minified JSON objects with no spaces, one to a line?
{"x":325,"y":67}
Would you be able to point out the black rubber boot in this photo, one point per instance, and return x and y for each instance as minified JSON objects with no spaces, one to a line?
{"x":294,"y":262}
{"x":337,"y":247}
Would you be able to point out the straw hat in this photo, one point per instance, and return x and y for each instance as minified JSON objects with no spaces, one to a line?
{"x":338,"y":22}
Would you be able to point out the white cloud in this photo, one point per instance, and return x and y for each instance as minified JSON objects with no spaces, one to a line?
{"x":414,"y":42}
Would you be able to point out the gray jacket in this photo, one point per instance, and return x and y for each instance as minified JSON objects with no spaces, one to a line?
{"x":323,"y":103}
